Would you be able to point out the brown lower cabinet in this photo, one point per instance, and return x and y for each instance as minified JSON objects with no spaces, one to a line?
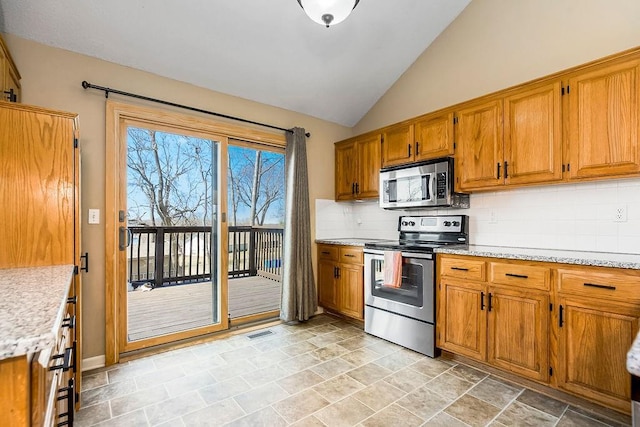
{"x":341,"y":279}
{"x":565,"y":326}
{"x":39,"y":389}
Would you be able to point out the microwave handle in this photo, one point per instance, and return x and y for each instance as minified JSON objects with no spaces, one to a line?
{"x":432,"y":185}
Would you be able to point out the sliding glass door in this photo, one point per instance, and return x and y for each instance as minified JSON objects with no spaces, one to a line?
{"x":171,"y":235}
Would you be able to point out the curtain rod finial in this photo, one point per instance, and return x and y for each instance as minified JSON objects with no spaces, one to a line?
{"x":85,"y":84}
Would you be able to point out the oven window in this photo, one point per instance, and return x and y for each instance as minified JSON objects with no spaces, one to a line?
{"x":411,"y":287}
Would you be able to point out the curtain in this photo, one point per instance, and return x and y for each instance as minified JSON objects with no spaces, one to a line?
{"x":298,"y":285}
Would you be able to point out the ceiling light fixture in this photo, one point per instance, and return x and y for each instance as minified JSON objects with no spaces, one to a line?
{"x":328,"y":12}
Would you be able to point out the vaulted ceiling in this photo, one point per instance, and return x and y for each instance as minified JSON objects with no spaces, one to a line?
{"x":263,"y":50}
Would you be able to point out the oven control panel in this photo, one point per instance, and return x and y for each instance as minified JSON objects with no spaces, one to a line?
{"x":432,"y":224}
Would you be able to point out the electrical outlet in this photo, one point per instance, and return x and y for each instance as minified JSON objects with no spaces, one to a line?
{"x":620,"y":214}
{"x":493,"y":219}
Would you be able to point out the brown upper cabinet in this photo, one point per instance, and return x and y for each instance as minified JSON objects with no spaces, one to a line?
{"x":358,"y":162}
{"x":9,"y":76}
{"x":512,"y":140}
{"x":578,"y":124}
{"x":603,"y":125}
{"x":427,"y":137}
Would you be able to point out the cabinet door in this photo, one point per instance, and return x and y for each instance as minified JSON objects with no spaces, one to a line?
{"x":327,"y":294}
{"x":351,"y":288}
{"x":533,"y":135}
{"x":479,"y":135}
{"x":397,"y":146}
{"x":346,"y":170}
{"x":518,"y":323}
{"x":434,"y":136}
{"x":369,"y":164}
{"x":603,"y":121}
{"x":463,"y":319}
{"x":37,"y":159}
{"x":594,"y":337}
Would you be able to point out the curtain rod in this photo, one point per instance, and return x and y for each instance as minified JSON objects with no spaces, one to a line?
{"x":107,"y":90}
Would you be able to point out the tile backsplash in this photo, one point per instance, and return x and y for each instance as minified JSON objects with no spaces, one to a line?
{"x":567,"y":216}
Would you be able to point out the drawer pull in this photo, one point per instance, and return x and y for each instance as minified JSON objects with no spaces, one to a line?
{"x":71,"y":402}
{"x":69,"y":322}
{"x":519,"y":276}
{"x":326,"y":253}
{"x":72,"y":300}
{"x":459,"y":268}
{"x":350,"y":255}
{"x":595,"y":285}
{"x":66,"y":360}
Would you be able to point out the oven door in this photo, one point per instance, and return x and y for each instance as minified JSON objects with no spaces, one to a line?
{"x":414,"y":298}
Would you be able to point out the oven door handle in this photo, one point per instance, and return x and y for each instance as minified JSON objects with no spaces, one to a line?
{"x":380,"y":254}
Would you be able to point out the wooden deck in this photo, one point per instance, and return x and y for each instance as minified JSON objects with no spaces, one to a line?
{"x":163,"y":311}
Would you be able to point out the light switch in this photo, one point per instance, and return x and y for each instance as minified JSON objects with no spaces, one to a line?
{"x":94,"y":216}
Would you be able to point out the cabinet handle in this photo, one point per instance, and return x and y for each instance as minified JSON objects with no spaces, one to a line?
{"x":519,"y":276}
{"x":11,"y":97}
{"x":350,"y":255}
{"x":490,"y":299}
{"x":353,"y":188}
{"x":460,"y":268}
{"x":560,"y":313}
{"x":66,"y":360}
{"x":86,"y":262}
{"x":409,"y":146}
{"x":71,"y":403}
{"x":72,"y":300}
{"x":595,"y":285}
{"x":338,"y":272}
{"x":506,"y":170}
{"x":498,"y":170}
{"x":326,"y":253}
{"x":417,"y":147}
{"x":69,"y":322}
{"x":481,"y":300}
{"x":357,"y":188}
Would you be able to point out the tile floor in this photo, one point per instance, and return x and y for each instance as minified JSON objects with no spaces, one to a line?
{"x":325,"y":372}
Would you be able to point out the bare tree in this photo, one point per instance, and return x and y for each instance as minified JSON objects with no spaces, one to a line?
{"x":257,"y":183}
{"x":161,"y":167}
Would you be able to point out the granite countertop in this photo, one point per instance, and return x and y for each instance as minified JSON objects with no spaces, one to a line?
{"x":31,"y":307}
{"x":596,"y":259}
{"x":346,"y":241}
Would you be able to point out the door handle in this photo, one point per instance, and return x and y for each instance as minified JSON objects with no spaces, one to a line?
{"x":124,"y":238}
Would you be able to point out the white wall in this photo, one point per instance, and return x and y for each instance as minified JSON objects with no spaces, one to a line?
{"x":568,"y":216}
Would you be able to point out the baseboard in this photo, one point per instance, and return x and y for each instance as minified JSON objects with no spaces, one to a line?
{"x":93,"y":363}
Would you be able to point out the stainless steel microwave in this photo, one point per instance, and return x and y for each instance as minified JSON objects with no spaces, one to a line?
{"x":420,"y":185}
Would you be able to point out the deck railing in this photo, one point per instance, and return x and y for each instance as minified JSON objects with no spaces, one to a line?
{"x":186,"y":253}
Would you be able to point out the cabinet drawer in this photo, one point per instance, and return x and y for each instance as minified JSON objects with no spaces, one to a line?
{"x":351,"y":255}
{"x":598,"y":284}
{"x":526,"y":276}
{"x":463,"y":268}
{"x":328,"y":252}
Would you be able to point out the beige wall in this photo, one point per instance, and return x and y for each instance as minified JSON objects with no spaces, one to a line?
{"x":52,"y":78}
{"x":495,"y":44}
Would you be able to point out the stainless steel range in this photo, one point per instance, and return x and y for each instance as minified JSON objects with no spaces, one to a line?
{"x":399,"y":280}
